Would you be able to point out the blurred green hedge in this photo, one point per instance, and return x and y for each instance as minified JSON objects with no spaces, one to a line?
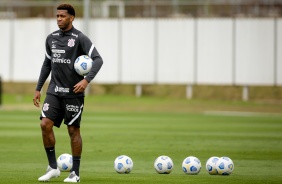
{"x":269,"y":93}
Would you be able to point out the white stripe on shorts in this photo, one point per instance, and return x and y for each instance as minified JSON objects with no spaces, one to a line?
{"x":71,"y":122}
{"x":43,"y":115}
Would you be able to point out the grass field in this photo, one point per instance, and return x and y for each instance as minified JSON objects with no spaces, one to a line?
{"x":250,"y":133}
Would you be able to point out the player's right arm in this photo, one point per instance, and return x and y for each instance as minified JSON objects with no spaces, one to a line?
{"x":44,"y":73}
{"x":36,"y":98}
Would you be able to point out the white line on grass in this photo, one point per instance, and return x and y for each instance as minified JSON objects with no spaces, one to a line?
{"x":239,"y":113}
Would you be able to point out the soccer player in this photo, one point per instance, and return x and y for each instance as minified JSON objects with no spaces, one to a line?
{"x":65,"y":94}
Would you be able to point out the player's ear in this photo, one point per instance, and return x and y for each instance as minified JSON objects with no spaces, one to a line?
{"x":71,"y":17}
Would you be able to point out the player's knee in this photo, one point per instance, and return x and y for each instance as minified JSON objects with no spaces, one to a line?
{"x":46,"y":124}
{"x":74,"y":132}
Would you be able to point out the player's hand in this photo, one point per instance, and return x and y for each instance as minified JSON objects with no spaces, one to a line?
{"x":36,"y":98}
{"x":81,"y":86}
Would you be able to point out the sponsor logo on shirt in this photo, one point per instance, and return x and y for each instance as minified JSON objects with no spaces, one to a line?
{"x":61,"y":60}
{"x":58,"y":51}
{"x":62,"y":89}
{"x":72,"y":108}
{"x":56,"y":55}
{"x":74,"y":35}
{"x":55,"y":34}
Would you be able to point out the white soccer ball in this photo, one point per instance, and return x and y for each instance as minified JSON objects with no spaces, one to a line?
{"x":191,"y":165}
{"x":123,"y":164}
{"x":224,"y":166}
{"x":83,"y":65}
{"x":210,"y":165}
{"x":163,"y":165}
{"x":64,"y":162}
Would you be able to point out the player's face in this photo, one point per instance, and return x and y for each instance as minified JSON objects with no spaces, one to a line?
{"x":64,"y":20}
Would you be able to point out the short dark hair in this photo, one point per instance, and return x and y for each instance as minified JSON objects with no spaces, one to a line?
{"x":67,"y":7}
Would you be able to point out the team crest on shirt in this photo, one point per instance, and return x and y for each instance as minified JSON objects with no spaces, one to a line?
{"x":71,"y":42}
{"x":45,"y":107}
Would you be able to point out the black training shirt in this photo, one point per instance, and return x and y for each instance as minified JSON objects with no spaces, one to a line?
{"x":62,"y":49}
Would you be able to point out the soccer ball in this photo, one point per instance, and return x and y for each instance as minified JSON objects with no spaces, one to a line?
{"x":210,"y":165}
{"x":83,"y":65}
{"x":123,"y":164}
{"x":64,"y":162}
{"x":191,"y":165}
{"x":224,"y":166}
{"x":163,"y":165}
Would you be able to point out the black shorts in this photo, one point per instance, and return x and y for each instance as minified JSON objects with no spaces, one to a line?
{"x":57,"y":109}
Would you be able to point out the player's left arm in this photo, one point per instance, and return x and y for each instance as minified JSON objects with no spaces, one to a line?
{"x":89,"y":49}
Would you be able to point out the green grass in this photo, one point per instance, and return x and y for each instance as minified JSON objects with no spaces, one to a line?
{"x":145,"y":128}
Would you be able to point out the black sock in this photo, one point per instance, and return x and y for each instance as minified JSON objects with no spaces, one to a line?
{"x":76,"y":164}
{"x":51,"y":157}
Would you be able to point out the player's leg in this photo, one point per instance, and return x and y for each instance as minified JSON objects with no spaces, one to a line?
{"x":76,"y":147}
{"x":49,"y":141}
{"x":49,"y":118}
{"x":49,"y":145}
{"x":73,"y":113}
